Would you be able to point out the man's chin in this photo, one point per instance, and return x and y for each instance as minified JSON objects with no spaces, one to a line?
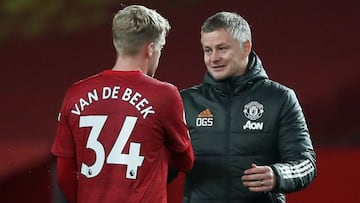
{"x":218,"y":75}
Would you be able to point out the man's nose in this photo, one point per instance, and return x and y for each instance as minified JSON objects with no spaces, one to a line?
{"x":214,"y":56}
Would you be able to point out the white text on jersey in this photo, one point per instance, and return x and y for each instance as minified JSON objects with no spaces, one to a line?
{"x":128,"y":95}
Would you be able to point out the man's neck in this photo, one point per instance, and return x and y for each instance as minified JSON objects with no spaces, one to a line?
{"x":129,"y":63}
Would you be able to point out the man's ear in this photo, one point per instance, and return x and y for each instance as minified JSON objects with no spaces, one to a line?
{"x":150,"y":49}
{"x":247,"y":46}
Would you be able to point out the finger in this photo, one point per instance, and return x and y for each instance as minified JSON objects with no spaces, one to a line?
{"x":260,"y":189}
{"x":254,"y":183}
{"x":254,"y":177}
{"x":258,"y":186}
{"x":250,"y":171}
{"x":255,"y":169}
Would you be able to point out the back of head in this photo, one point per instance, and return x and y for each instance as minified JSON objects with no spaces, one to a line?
{"x":134,"y":26}
{"x":236,"y":25}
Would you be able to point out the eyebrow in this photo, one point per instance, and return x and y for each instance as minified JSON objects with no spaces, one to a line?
{"x":218,"y":45}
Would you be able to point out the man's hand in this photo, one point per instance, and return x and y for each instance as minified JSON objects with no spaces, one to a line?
{"x":259,"y":178}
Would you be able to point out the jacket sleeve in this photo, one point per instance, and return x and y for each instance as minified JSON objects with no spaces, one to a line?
{"x":297,"y":168}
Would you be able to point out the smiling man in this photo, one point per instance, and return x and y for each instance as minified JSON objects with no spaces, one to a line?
{"x":249,"y":134}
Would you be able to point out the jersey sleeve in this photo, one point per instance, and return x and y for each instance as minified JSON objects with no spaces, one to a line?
{"x":178,"y":139}
{"x":67,"y":177}
{"x":63,"y":144}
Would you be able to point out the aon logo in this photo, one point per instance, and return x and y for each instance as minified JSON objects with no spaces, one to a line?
{"x":203,"y":121}
{"x":253,"y":125}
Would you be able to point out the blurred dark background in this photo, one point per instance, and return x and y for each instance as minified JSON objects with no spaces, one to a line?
{"x":46,"y":45}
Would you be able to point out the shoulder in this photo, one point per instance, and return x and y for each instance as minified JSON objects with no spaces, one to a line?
{"x":278,"y":94}
{"x":192,"y":90}
{"x":159,"y":89}
{"x":277,"y":89}
{"x":162,"y":86}
{"x":84,"y":82}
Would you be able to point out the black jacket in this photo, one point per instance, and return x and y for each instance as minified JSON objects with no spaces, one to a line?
{"x":243,"y":120}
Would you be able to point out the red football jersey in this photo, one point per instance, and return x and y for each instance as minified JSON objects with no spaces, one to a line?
{"x":120,"y":126}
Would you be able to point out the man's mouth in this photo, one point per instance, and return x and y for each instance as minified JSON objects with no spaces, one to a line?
{"x":219,"y":68}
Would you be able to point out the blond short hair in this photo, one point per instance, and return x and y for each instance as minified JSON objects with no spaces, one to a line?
{"x":134,"y":26}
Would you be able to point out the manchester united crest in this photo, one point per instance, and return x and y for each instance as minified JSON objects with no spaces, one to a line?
{"x":253,"y":110}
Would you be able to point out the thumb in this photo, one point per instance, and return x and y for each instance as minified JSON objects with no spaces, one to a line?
{"x":253,"y":165}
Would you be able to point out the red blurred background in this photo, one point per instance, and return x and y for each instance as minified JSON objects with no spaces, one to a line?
{"x":45,"y":46}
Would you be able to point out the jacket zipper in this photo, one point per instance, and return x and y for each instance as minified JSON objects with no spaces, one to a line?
{"x":227,"y":143}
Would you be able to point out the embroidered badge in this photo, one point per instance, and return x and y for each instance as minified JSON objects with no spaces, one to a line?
{"x":205,"y":118}
{"x":253,"y":110}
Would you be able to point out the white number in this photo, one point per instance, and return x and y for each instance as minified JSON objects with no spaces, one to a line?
{"x":133,"y":160}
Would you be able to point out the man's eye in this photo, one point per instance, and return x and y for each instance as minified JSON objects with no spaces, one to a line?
{"x":208,"y":51}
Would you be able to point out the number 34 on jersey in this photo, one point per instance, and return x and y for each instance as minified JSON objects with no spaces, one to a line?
{"x":133,"y":160}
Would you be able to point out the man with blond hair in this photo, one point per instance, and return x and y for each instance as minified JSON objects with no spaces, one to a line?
{"x":119,"y":130}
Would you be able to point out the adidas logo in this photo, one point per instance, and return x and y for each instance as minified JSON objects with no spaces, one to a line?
{"x":205,"y":119}
{"x":206,"y":113}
